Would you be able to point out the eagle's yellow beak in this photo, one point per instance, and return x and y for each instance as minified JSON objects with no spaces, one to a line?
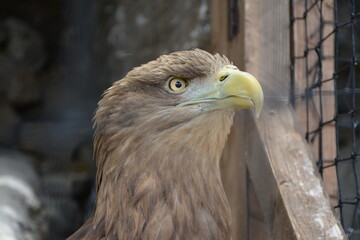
{"x":240,"y":90}
{"x":234,"y":89}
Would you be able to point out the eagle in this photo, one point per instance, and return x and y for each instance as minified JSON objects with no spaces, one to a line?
{"x":159,"y":136}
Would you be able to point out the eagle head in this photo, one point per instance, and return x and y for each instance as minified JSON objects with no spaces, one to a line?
{"x":159,"y":134}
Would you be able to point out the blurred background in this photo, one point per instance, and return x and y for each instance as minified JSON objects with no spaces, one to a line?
{"x":56,"y":59}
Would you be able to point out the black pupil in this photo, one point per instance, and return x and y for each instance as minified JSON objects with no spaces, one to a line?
{"x":178,"y":84}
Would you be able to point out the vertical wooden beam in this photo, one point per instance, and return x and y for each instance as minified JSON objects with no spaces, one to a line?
{"x":234,"y":178}
{"x":313,"y":34}
{"x":233,"y":166}
{"x":257,"y":224}
{"x":328,"y":101}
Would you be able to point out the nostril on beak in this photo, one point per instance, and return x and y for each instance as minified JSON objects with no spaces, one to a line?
{"x":223,"y":78}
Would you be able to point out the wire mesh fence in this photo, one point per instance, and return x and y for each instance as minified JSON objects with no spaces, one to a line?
{"x":325,"y":79}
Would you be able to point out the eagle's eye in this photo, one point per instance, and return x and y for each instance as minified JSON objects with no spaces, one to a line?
{"x":177,"y":84}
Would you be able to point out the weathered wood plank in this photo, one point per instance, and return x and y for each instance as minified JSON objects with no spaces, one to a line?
{"x":286,"y":180}
{"x":279,"y":160}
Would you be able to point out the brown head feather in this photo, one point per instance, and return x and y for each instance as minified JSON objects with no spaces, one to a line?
{"x":158,"y":171}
